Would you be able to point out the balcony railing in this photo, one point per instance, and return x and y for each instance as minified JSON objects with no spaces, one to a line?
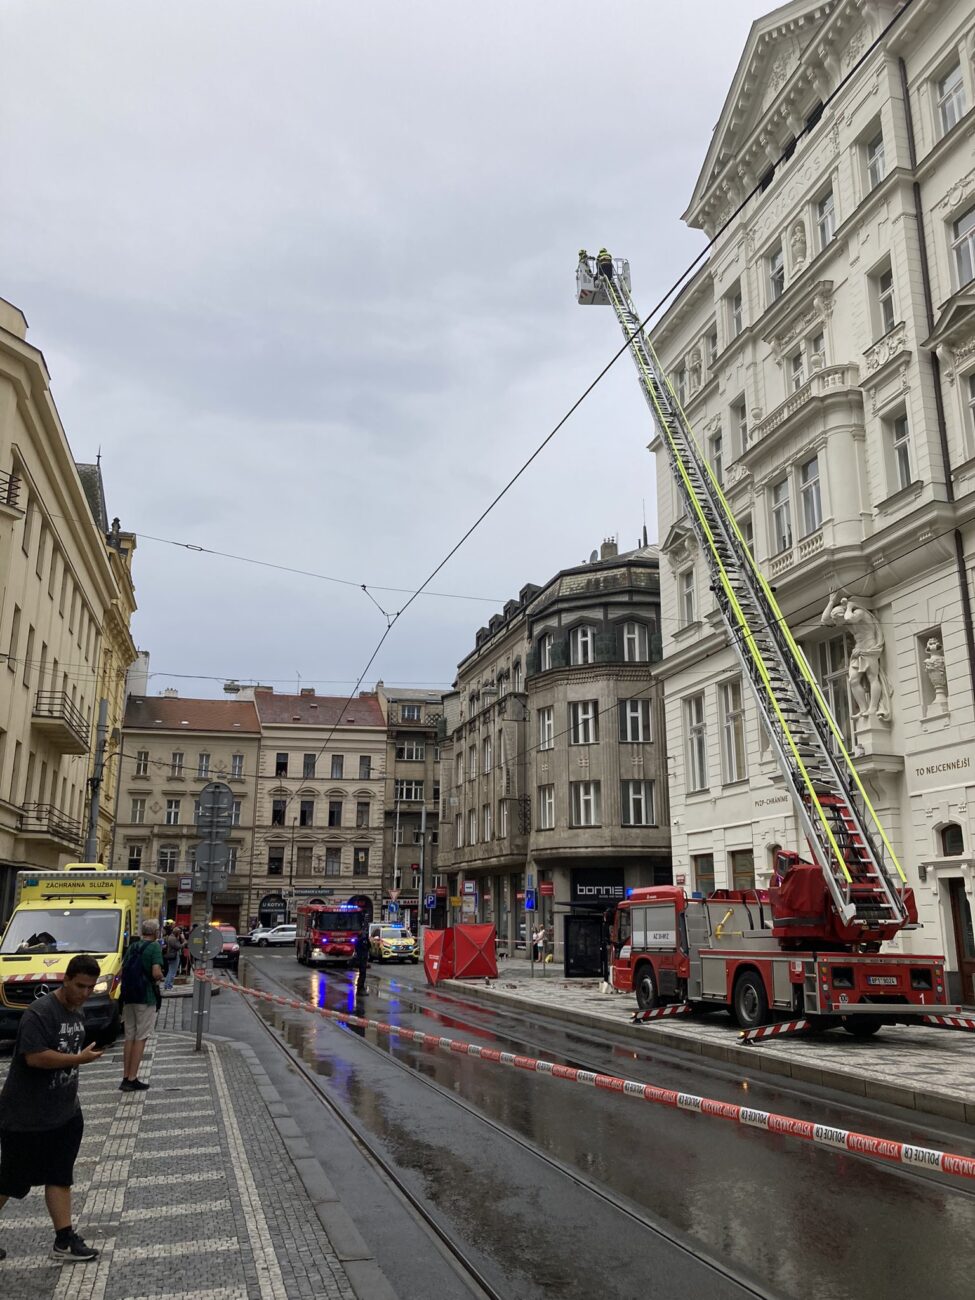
{"x":62,"y":721}
{"x":44,"y":821}
{"x":9,"y":490}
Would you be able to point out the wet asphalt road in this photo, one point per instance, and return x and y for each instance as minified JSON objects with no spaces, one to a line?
{"x":775,"y":1216}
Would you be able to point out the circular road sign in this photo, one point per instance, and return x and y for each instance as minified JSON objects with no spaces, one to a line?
{"x":205,"y":941}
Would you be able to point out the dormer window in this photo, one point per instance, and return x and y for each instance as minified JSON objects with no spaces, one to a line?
{"x":636,"y":644}
{"x":545,"y":644}
{"x":582,"y":645}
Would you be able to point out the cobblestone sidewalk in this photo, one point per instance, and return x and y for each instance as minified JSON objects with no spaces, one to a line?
{"x":931,"y":1070}
{"x":188,"y":1190}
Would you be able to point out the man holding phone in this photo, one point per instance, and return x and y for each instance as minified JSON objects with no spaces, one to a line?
{"x":40,"y":1116}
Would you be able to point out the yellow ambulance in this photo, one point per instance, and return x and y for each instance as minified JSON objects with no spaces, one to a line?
{"x":81,"y":908}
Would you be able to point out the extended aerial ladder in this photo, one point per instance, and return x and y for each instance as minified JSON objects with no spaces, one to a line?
{"x":866,"y":882}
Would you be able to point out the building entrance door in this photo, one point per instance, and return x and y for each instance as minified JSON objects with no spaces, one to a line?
{"x":961,"y":916}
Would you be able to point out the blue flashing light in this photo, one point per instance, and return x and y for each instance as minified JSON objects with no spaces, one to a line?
{"x":629,"y":892}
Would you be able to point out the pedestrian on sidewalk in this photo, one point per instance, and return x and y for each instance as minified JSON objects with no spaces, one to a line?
{"x":172,"y":952}
{"x":41,"y":1124}
{"x":141,"y":1000}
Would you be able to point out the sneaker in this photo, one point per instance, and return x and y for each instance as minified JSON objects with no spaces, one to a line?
{"x":136,"y":1085}
{"x":73,"y":1251}
{"x":125,"y":1086}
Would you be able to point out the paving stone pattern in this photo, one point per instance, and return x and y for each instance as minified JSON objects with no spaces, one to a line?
{"x":930,"y":1069}
{"x":187,"y":1190}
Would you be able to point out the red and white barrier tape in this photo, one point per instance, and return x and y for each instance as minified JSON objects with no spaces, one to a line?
{"x":838,"y":1139}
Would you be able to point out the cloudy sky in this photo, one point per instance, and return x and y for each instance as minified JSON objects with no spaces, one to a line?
{"x":303,"y":271}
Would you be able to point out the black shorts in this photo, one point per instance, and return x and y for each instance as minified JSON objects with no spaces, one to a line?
{"x":39,"y":1159}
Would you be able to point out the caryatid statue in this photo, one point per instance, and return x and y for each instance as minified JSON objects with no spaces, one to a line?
{"x":869,"y":685}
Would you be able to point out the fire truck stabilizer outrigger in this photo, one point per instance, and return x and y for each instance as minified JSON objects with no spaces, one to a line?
{"x":806,"y":953}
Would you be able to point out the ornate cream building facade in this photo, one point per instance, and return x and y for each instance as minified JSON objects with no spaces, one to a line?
{"x":65,"y":600}
{"x":825,"y":355}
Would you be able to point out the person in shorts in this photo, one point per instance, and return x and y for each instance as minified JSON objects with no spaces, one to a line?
{"x":41,"y":1125}
{"x":139,"y":1015}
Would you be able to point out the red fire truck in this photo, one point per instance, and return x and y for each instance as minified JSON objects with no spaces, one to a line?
{"x":328,"y":935}
{"x":809,"y":946}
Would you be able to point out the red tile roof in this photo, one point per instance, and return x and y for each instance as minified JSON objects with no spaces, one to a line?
{"x":165,"y":713}
{"x":319,"y":710}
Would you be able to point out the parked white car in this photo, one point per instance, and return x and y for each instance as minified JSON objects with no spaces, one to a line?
{"x":268,"y":936}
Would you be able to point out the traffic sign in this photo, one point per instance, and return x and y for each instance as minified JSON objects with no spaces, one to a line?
{"x":216,"y":801}
{"x":215,"y":881}
{"x":186,"y":882}
{"x":430,"y":900}
{"x":204,"y":941}
{"x":212,"y":857}
{"x":546,"y":888}
{"x":529,"y":900}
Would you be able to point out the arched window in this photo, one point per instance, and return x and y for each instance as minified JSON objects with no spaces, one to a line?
{"x":952,"y":840}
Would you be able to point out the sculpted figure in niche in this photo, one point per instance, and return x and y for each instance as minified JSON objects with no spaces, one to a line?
{"x":694,"y":368}
{"x":934,"y":666}
{"x":797,"y":239}
{"x":869,"y":685}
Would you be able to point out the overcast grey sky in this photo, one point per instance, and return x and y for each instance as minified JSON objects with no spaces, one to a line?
{"x":304,"y":271}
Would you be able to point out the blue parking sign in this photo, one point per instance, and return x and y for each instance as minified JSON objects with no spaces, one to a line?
{"x":529,"y":900}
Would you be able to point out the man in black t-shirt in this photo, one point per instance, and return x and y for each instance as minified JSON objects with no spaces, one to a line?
{"x":40,"y":1116}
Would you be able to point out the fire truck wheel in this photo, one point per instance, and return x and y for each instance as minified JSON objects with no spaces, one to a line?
{"x":750,"y":1000}
{"x":646,"y":988}
{"x":862,"y":1026}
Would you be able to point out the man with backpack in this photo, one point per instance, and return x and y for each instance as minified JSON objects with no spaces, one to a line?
{"x":141,"y":974}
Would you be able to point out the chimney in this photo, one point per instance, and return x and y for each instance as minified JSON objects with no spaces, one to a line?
{"x":170,"y":693}
{"x":608,"y":550}
{"x":307,"y":690}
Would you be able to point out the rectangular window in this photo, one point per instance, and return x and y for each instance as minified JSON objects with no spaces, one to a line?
{"x":636,"y":643}
{"x":516,"y":676}
{"x":817,"y":351}
{"x":702,"y":865}
{"x":584,"y":722}
{"x":360,"y":862}
{"x":365,"y":767}
{"x":409,"y":713}
{"x":545,"y":644}
{"x":735,"y":319}
{"x":407,"y":791}
{"x":275,"y":860}
{"x":747,"y":529}
{"x":732,"y":732}
{"x":900,"y":444}
{"x":546,"y":728}
{"x":797,"y":370}
{"x":203,"y":766}
{"x":635,"y":722}
{"x":472,"y":826}
{"x":781,"y":517}
{"x":585,"y":803}
{"x":717,"y":458}
{"x":971,"y":404}
{"x":458,"y":832}
{"x":831,"y":664}
{"x":471,"y":762}
{"x":303,"y":860}
{"x":696,"y":741}
{"x":233,"y":855}
{"x":135,"y":857}
{"x":308,"y":762}
{"x":687,"y":598}
{"x":306,"y":812}
{"x":64,"y":589}
{"x":711,"y":347}
{"x":951,"y":98}
{"x":29,"y":656}
{"x":176,"y":764}
{"x":281,"y":765}
{"x":546,"y":807}
{"x":236,"y":767}
{"x":278,"y":808}
{"x":172,"y":812}
{"x":14,"y":643}
{"x":963,"y":248}
{"x":582,"y":645}
{"x":333,"y":862}
{"x":883,"y":286}
{"x":776,"y":274}
{"x":825,"y":220}
{"x":235,"y":812}
{"x":25,"y":536}
{"x":742,"y":869}
{"x":503,"y":818}
{"x":335,"y":812}
{"x":487,"y":829}
{"x":876,"y":162}
{"x":338,"y":767}
{"x":142,"y":763}
{"x":41,"y":546}
{"x":362,"y":815}
{"x":168,"y":859}
{"x":636,"y":803}
{"x":809,"y":496}
{"x":739,"y":424}
{"x":411,"y":751}
{"x":138,"y":812}
{"x":680,"y":384}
